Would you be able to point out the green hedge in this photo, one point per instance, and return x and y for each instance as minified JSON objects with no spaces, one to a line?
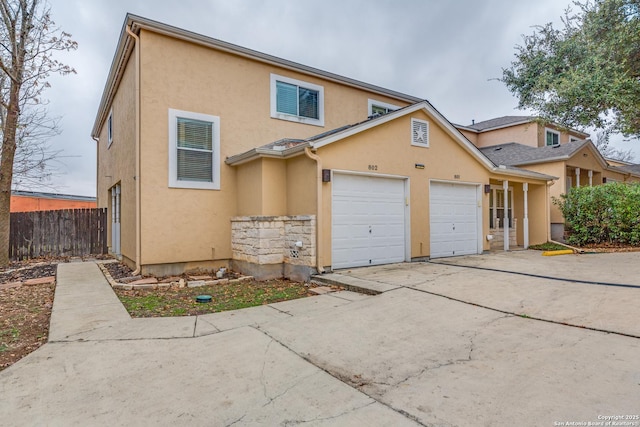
{"x":607,"y":213}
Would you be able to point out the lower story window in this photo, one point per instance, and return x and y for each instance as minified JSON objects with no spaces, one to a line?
{"x":194,"y":150}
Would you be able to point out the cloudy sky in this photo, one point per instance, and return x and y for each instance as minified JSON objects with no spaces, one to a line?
{"x":445,"y":51}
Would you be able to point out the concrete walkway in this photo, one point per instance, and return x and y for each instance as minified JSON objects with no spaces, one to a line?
{"x":415,"y":354}
{"x":101,"y":367}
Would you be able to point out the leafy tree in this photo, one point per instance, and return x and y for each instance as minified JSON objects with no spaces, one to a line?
{"x":28,"y":41}
{"x":601,"y":142}
{"x":586,"y":74}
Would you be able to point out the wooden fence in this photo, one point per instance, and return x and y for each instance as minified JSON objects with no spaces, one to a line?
{"x":67,"y":232}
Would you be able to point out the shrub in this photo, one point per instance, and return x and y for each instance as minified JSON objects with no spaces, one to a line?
{"x":602,"y":214}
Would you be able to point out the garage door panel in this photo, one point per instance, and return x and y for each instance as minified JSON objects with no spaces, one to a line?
{"x":368,"y":220}
{"x":454,"y":224}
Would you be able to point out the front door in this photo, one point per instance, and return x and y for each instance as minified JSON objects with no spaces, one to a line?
{"x":115,"y":219}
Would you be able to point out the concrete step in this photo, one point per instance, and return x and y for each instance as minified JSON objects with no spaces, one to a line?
{"x":353,"y":283}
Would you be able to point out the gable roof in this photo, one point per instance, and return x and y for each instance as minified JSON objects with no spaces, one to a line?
{"x":504,"y":122}
{"x":286,"y":148}
{"x":136,"y":23}
{"x":514,"y":154}
{"x":634,"y":169}
{"x":499,"y":122}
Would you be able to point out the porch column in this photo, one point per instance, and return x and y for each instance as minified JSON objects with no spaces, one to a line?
{"x":590,"y":178}
{"x":494,"y":213}
{"x":525,"y":220}
{"x":577,"y":177}
{"x":505,"y":225}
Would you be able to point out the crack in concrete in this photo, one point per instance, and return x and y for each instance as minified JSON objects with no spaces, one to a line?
{"x":308,"y":360}
{"x":333,"y":417}
{"x":264,"y":364}
{"x":236,"y":421}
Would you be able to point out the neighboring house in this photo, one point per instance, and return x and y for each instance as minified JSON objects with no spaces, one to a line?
{"x":28,"y":201}
{"x":521,"y":141}
{"x":211,"y":154}
{"x":526,"y":130}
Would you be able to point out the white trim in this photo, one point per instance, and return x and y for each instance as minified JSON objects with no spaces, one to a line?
{"x":173,"y":151}
{"x":429,"y":110}
{"x":372,"y":102}
{"x":110,"y":128}
{"x":415,"y":136}
{"x":555,"y":132}
{"x":290,"y":117}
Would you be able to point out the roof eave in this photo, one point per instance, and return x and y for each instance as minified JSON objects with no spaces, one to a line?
{"x":523,"y":173}
{"x":261,"y":152}
{"x":136,"y":23}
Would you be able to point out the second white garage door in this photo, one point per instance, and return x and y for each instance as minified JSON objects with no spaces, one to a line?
{"x":454,"y":219}
{"x":367,"y":220}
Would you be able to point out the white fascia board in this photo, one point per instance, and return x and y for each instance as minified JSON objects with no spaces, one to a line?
{"x":523,"y":173}
{"x":427,"y":108}
{"x":259,"y":152}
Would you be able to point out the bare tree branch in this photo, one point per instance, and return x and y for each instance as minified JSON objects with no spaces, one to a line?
{"x":29,"y":39}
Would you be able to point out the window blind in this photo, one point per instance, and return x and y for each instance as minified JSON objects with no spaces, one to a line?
{"x":195,"y":150}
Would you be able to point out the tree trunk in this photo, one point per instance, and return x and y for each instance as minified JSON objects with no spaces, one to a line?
{"x":6,"y":170}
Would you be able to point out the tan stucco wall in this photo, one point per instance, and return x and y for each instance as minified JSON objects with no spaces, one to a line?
{"x":301,"y":186}
{"x":526,"y":134}
{"x":556,"y":169}
{"x":274,"y":189}
{"x":249,"y":188}
{"x":184,"y":76}
{"x":471,"y":136}
{"x":116,"y":163}
{"x":531,"y":134}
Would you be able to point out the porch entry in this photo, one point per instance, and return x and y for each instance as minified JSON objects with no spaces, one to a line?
{"x":499,"y":200}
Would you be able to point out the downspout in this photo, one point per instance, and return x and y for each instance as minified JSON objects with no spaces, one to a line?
{"x":137,"y":143}
{"x":319,"y":215}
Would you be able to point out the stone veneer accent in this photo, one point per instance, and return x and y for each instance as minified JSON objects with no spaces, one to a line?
{"x":264,"y":246}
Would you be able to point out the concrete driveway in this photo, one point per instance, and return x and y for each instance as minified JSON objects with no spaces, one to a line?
{"x":420,"y":353}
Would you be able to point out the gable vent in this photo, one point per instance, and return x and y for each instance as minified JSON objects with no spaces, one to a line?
{"x":419,"y":133}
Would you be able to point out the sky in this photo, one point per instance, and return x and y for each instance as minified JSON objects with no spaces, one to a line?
{"x":448,"y":52}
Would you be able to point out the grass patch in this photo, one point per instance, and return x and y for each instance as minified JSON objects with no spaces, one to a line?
{"x":549,"y":246}
{"x":171,"y":302}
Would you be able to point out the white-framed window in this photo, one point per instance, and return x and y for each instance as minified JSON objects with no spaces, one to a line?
{"x":420,"y":133}
{"x":297,"y":101}
{"x":552,"y":137}
{"x":110,"y":129}
{"x":379,"y":108}
{"x":194,"y":150}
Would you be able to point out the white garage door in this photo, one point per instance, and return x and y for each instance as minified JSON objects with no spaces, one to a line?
{"x":367,"y":221}
{"x":454,"y":219}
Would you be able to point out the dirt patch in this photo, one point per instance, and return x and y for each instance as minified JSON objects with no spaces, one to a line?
{"x":25,"y":311}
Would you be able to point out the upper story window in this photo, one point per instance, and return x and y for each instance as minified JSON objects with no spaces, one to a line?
{"x":297,"y":101}
{"x":194,"y":150}
{"x":110,"y":128}
{"x":552,"y":137}
{"x":378,"y":108}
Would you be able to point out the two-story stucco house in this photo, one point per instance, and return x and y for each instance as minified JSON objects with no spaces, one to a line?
{"x":525,"y":142}
{"x":211,"y":154}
